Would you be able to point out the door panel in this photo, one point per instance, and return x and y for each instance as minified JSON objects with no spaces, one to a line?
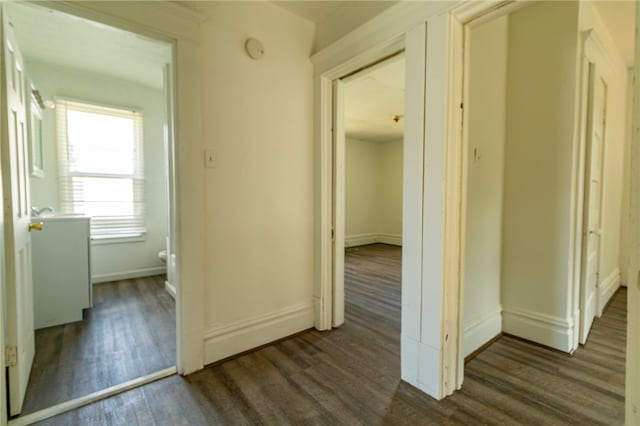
{"x":596,"y":115}
{"x":15,"y":186}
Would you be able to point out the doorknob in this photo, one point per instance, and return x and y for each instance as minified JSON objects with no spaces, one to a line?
{"x":37,"y":226}
{"x":595,"y":232}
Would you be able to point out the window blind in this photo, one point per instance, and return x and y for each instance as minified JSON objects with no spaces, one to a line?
{"x":101,"y":167}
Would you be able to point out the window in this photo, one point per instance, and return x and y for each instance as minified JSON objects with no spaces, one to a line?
{"x":100,"y":165}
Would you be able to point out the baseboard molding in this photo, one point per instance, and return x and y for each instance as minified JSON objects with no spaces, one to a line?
{"x":170,"y":288}
{"x":364,"y":239}
{"x":415,"y":354}
{"x":227,"y":340}
{"x":359,"y":240}
{"x":482,"y":330}
{"x":555,"y":332}
{"x":392,"y":239}
{"x":607,"y":289}
{"x":125,"y":275}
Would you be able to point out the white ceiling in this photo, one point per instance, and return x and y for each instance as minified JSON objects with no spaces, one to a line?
{"x":52,"y":37}
{"x":314,"y":11}
{"x":372,"y":98}
{"x":619,"y":17}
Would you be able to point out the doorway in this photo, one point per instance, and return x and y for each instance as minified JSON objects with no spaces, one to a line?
{"x":534,"y":178}
{"x":368,"y":192}
{"x":129,"y":318}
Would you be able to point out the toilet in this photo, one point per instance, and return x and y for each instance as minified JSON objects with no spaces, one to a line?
{"x":170,"y":261}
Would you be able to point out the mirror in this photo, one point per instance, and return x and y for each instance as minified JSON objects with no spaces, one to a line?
{"x":35,"y":137}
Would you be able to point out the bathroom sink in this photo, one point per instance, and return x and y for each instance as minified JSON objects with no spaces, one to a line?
{"x":57,"y":216}
{"x":61,"y":259}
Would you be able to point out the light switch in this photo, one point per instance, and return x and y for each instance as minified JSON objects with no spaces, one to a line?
{"x":209,"y":159}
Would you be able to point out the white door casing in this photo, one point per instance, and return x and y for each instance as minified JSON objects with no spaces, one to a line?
{"x":596,"y":127}
{"x":632,"y":379}
{"x":338,"y":202}
{"x":15,"y":179}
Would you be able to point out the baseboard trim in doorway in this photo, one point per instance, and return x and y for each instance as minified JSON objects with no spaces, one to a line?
{"x":170,"y":289}
{"x":91,"y":398}
{"x":126,"y":275}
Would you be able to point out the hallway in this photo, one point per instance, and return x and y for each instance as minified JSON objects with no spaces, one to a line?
{"x":351,"y":375}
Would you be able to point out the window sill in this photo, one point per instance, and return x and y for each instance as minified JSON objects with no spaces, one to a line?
{"x":124,"y":239}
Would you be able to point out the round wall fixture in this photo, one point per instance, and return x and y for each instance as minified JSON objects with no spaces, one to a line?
{"x":254,"y":48}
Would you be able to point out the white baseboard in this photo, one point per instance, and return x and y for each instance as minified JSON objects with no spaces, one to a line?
{"x":364,"y":239}
{"x":392,"y":239}
{"x":125,"y":275}
{"x":607,"y":288}
{"x":359,"y":240}
{"x":231,"y":339}
{"x":170,"y":289}
{"x":555,"y":332}
{"x":481,"y":330}
{"x":415,"y":354}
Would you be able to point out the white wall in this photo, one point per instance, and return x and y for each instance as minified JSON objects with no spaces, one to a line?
{"x":258,"y":121}
{"x":391,"y":172}
{"x":485,"y":158}
{"x":346,"y":18}
{"x":541,"y":94}
{"x":109,"y":261}
{"x":632,"y":379}
{"x":362,"y":192}
{"x":373,"y":192}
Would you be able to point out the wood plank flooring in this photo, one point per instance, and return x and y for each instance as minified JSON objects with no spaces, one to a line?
{"x":129,"y":333}
{"x":351,"y":376}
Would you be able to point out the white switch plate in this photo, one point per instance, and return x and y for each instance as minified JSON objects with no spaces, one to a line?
{"x":208,"y":159}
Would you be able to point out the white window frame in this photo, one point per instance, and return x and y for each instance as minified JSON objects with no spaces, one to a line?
{"x":105,"y":228}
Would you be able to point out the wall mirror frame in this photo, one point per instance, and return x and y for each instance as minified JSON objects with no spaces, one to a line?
{"x":36,"y":162}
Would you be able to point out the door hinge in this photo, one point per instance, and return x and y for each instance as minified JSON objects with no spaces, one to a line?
{"x":10,"y":356}
{"x":332,"y":234}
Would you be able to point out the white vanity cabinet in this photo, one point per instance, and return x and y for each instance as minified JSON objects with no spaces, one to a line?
{"x":61,"y":256}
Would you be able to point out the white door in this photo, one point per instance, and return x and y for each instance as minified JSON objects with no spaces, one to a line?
{"x":338,"y":203}
{"x":20,"y":341}
{"x":596,"y":114}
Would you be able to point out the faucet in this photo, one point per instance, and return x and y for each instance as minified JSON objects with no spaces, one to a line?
{"x":37,"y":212}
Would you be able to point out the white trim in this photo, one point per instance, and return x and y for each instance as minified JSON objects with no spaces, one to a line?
{"x":360,"y":240}
{"x":372,"y":238}
{"x":431,"y":355}
{"x":380,"y":32}
{"x":126,"y":275}
{"x":230,"y":339}
{"x":607,"y":288}
{"x":481,"y":330}
{"x":171,"y":289}
{"x":91,"y":398}
{"x":391,"y":239}
{"x":547,"y":330}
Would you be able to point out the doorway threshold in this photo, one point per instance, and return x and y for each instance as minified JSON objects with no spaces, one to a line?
{"x":91,"y":398}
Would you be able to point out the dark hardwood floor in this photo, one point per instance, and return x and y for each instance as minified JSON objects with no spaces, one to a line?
{"x":129,"y":333}
{"x":352,"y":375}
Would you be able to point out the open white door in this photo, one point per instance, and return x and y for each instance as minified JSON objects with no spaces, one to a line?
{"x":338,"y":202}
{"x":593,"y":201}
{"x":20,"y":342}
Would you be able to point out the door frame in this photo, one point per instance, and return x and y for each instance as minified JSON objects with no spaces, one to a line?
{"x":462,"y":18}
{"x":595,"y":55}
{"x":175,"y":26}
{"x":431,"y":315}
{"x":592,"y":75}
{"x":189,"y":356}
